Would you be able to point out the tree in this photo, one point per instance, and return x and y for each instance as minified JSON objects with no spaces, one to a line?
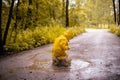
{"x":8,"y":22}
{"x":1,"y":43}
{"x":16,"y":19}
{"x":114,"y":10}
{"x":67,"y":13}
{"x":119,"y":12}
{"x":63,"y":7}
{"x":29,"y":15}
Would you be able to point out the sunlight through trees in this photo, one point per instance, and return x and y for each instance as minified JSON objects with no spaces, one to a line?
{"x":19,"y":16}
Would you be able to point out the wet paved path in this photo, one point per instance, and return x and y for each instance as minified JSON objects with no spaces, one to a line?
{"x":95,"y":56}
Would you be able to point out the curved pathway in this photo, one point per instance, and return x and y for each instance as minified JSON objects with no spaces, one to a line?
{"x":95,"y":56}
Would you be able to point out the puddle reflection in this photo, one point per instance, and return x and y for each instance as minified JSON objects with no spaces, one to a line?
{"x":78,"y":64}
{"x":46,"y":65}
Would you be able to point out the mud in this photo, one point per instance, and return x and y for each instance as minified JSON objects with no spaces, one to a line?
{"x":95,"y":56}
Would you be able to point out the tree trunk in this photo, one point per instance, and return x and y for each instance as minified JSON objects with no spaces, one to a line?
{"x":30,"y":2}
{"x":8,"y":23}
{"x":53,"y":14}
{"x":63,"y":11}
{"x":114,"y":11}
{"x":67,"y":13}
{"x":1,"y":44}
{"x":17,"y":17}
{"x":29,"y":16}
{"x":16,"y":21}
{"x":119,"y":12}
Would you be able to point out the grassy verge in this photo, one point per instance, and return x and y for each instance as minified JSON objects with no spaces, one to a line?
{"x":115,"y":29}
{"x":36,"y":37}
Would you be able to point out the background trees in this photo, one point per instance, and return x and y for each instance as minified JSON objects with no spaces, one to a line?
{"x":100,"y":11}
{"x":28,"y":15}
{"x":33,"y":13}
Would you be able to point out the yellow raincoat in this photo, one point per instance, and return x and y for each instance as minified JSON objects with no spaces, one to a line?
{"x":61,"y":45}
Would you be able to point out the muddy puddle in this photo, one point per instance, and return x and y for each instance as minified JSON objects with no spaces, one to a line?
{"x":46,"y":65}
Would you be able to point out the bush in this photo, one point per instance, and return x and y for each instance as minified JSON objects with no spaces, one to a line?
{"x":36,"y":37}
{"x":117,"y":32}
{"x":78,"y":30}
{"x":115,"y":29}
{"x":112,"y":28}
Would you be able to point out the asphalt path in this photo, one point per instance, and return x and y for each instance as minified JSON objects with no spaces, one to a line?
{"x":95,"y":56}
